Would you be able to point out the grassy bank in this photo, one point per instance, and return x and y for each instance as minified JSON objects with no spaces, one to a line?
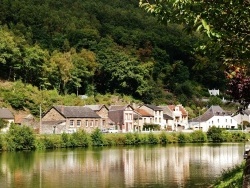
{"x":23,"y":138}
{"x":232,"y":177}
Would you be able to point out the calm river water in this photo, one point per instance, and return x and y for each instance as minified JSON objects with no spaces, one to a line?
{"x":189,"y":165}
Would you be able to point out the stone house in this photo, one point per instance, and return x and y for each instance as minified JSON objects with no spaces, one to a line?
{"x":103,"y":112}
{"x":6,"y":115}
{"x":123,"y":117}
{"x":69,"y":119}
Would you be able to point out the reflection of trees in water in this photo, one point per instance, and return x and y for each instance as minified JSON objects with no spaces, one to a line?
{"x":22,"y":161}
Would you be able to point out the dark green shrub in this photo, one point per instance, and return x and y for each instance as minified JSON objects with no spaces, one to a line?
{"x":182,"y":138}
{"x":198,"y":136}
{"x":214,"y":134}
{"x":129,"y":139}
{"x":150,"y":127}
{"x":163,"y":138}
{"x":20,"y":138}
{"x":80,"y":139}
{"x":137,"y":139}
{"x":152,"y":138}
{"x":66,"y":140}
{"x":97,"y":138}
{"x":3,"y":123}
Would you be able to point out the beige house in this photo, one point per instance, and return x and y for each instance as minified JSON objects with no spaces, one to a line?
{"x":155,"y":112}
{"x":179,"y":117}
{"x":6,"y":115}
{"x":69,"y":119}
{"x":142,"y":117}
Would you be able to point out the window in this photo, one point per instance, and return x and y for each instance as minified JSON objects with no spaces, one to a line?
{"x":159,"y":120}
{"x":87,"y":123}
{"x":103,"y":122}
{"x":78,"y":123}
{"x":130,"y":116}
{"x":126,"y":116}
{"x":71,"y":123}
{"x":91,"y":123}
{"x":218,"y":120}
{"x":96,"y":123}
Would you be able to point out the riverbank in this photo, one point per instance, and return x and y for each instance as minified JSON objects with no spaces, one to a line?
{"x":23,"y":138}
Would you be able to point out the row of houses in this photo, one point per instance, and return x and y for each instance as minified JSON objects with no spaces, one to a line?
{"x":126,"y":118}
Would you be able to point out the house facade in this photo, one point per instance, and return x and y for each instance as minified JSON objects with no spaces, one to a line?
{"x":214,"y":116}
{"x":179,"y":117}
{"x":142,"y":117}
{"x":122,"y":117}
{"x":155,"y":112}
{"x":6,"y":115}
{"x":69,"y":119}
{"x":103,"y":112}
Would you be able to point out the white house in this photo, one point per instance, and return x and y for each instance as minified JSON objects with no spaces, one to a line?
{"x":214,"y":116}
{"x":6,"y":115}
{"x":179,"y":116}
{"x":214,"y":92}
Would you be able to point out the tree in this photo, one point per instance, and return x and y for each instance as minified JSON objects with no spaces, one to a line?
{"x":3,"y":123}
{"x":225,"y":22}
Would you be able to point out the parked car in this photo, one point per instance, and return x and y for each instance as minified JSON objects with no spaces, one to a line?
{"x":112,"y":130}
{"x":104,"y":131}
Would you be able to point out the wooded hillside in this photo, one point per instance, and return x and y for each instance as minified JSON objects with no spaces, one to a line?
{"x":100,"y":47}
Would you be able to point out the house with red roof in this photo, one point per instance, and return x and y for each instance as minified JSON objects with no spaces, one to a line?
{"x":156,"y":115}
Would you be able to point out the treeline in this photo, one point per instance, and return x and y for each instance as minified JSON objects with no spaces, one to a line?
{"x":23,"y":138}
{"x":90,"y":47}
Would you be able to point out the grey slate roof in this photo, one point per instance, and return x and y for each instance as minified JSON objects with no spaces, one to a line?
{"x":118,"y":107}
{"x":165,"y":116}
{"x":76,"y":112}
{"x":6,"y":114}
{"x":153,"y":107}
{"x":212,"y":111}
{"x":95,"y":107}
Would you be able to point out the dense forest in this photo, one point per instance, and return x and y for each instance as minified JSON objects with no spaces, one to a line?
{"x":100,"y":47}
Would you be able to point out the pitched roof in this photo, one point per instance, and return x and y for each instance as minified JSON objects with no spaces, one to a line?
{"x":143,"y":113}
{"x":153,"y":107}
{"x":6,"y":114}
{"x":118,"y":107}
{"x":165,"y":116}
{"x":76,"y":111}
{"x":181,"y":108}
{"x":212,"y":111}
{"x":96,"y":107}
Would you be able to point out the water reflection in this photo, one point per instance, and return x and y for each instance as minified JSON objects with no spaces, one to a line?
{"x":145,"y":166}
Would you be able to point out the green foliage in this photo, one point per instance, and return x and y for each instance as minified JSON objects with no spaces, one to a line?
{"x":3,"y":123}
{"x":80,"y":139}
{"x":198,"y":136}
{"x":215,"y":134}
{"x":232,"y":177}
{"x":151,"y":127}
{"x":97,"y":138}
{"x":183,"y":138}
{"x":86,"y":49}
{"x":152,"y":138}
{"x":20,"y":138}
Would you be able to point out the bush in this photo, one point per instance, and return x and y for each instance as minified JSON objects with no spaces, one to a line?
{"x":214,"y":134}
{"x":150,"y":127}
{"x":129,"y":139}
{"x":152,"y":139}
{"x":198,"y":136}
{"x":80,"y":139}
{"x":163,"y":138}
{"x":20,"y":138}
{"x":97,"y":138}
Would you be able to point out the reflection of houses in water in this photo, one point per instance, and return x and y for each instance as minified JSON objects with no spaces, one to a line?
{"x":127,"y":167}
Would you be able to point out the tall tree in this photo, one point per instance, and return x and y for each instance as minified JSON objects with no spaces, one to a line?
{"x":225,"y":22}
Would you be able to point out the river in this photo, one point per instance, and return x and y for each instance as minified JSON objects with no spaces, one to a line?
{"x":173,"y":165}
